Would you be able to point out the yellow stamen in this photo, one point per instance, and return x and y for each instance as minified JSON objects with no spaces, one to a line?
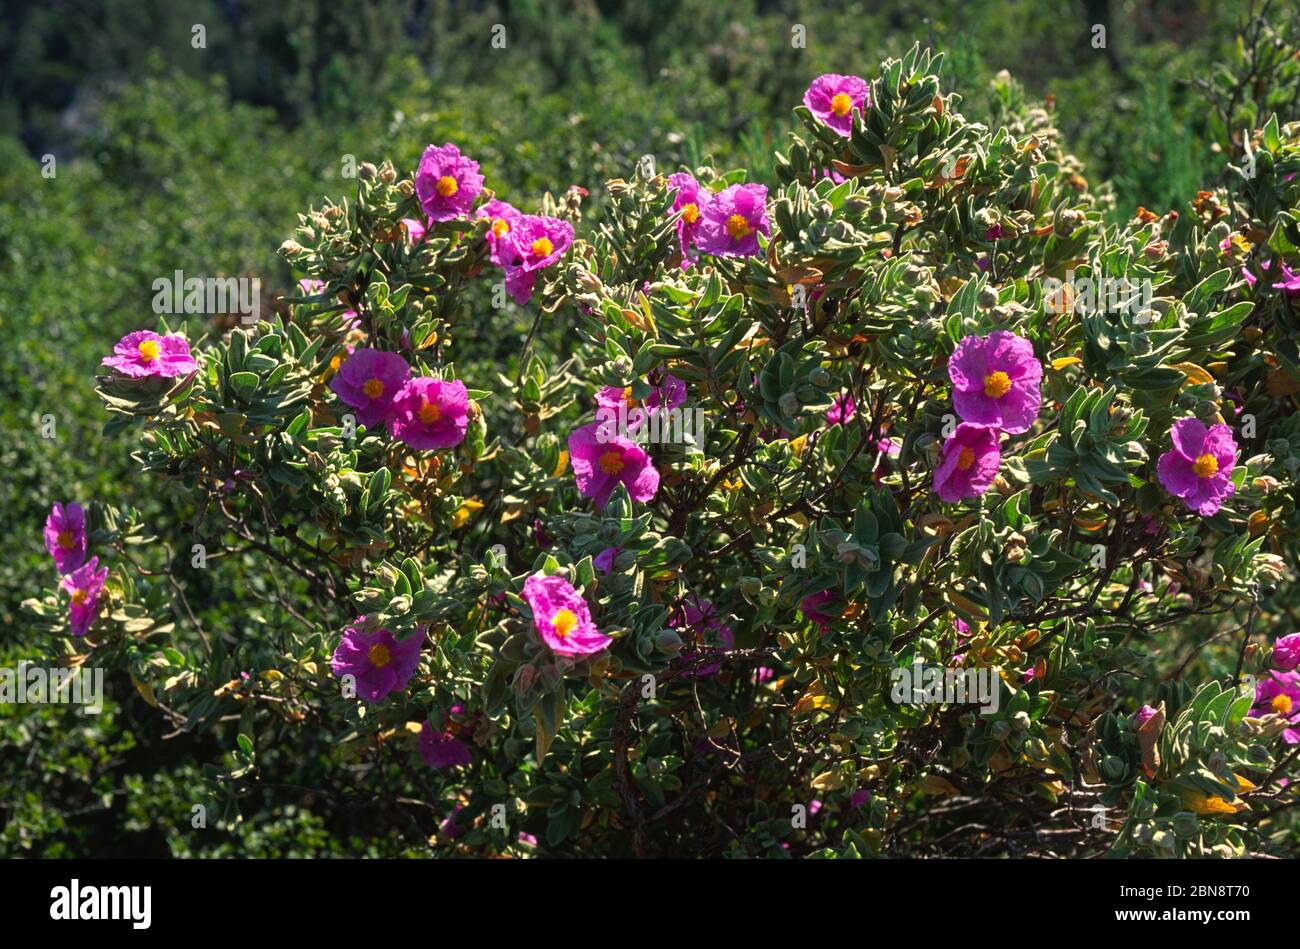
{"x":1282,"y":704}
{"x":429,"y":413}
{"x":563,"y":623}
{"x":1205,"y":466}
{"x":500,"y":227}
{"x":611,"y":462}
{"x":965,"y":459}
{"x":379,"y":655}
{"x":66,"y":540}
{"x":149,"y":350}
{"x":690,"y":213}
{"x":738,"y":227}
{"x":997,"y":384}
{"x":542,"y":247}
{"x":79,"y":596}
{"x":841,"y":104}
{"x":373,"y":388}
{"x":447,"y":186}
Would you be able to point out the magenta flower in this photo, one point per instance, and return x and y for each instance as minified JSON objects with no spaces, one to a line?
{"x":1286,"y":652}
{"x":670,"y":393}
{"x":842,"y":410}
{"x":85,"y":587}
{"x":995,"y":381}
{"x":700,"y":616}
{"x":733,"y":219}
{"x":415,"y":230}
{"x":532,"y":244}
{"x":1290,"y":281}
{"x":562,"y":618}
{"x":1198,"y":468}
{"x":447,"y":182}
{"x":144,"y":353}
{"x":1142,"y":715}
{"x":65,"y":536}
{"x":822,"y":608}
{"x":429,"y":414}
{"x":1279,"y":694}
{"x":832,"y":98}
{"x":604,"y":561}
{"x":379,"y":662}
{"x":369,"y":381}
{"x":971,"y":459}
{"x":691,"y":200}
{"x":443,"y":749}
{"x":601,"y":459}
{"x":502,"y":217}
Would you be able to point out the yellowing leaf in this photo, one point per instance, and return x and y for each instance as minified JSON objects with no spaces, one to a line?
{"x":1195,"y":374}
{"x":1064,"y":361}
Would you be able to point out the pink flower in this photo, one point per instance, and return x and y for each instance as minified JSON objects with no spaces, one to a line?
{"x":601,"y":459}
{"x":733,"y":219}
{"x":669,"y":393}
{"x":822,"y":609}
{"x":971,"y":459}
{"x":443,"y":749}
{"x":503,"y":217}
{"x":532,"y":244}
{"x":995,"y":381}
{"x":1286,"y":652}
{"x":700,"y":616}
{"x":842,"y":410}
{"x":1279,"y":694}
{"x":562,"y":618}
{"x":415,"y":230}
{"x":1290,"y":281}
{"x":1142,"y":715}
{"x":690,"y":200}
{"x":369,"y":381}
{"x":379,"y":663}
{"x":447,"y":182}
{"x":604,"y":561}
{"x":85,"y":587}
{"x":144,"y":353}
{"x":429,"y":414}
{"x":1198,"y":468}
{"x":832,"y":98}
{"x":65,"y":536}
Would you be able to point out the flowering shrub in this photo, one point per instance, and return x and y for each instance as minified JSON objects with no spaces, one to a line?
{"x":534,"y":610}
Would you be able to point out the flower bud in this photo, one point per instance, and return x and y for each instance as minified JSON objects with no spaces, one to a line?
{"x":367,"y":171}
{"x":820,"y":377}
{"x":789,"y":405}
{"x":667,"y":641}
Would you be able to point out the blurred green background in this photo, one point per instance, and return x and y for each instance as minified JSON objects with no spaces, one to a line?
{"x":171,"y":156}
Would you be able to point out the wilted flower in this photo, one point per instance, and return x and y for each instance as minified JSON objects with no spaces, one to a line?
{"x":1198,"y":468}
{"x":447,"y":182}
{"x":733,"y":219}
{"x":378,"y":662}
{"x":818,"y":608}
{"x":971,"y":458}
{"x":832,"y":98}
{"x":65,"y":536}
{"x":369,"y":381}
{"x":700,"y":615}
{"x":604,"y":561}
{"x":144,"y":353}
{"x":561,"y":616}
{"x":85,"y":586}
{"x":442,"y":749}
{"x":602,"y":459}
{"x":996,"y":381}
{"x":429,"y":414}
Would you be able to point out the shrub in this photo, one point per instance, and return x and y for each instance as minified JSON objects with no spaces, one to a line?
{"x":501,"y":607}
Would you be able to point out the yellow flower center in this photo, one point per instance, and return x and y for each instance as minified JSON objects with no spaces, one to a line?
{"x":738,"y":227}
{"x":79,"y":596}
{"x":611,"y":462}
{"x":148,"y":350}
{"x":841,"y":104}
{"x":563,"y":623}
{"x":965,"y":459}
{"x":66,"y":540}
{"x":447,"y":186}
{"x":1205,"y":466}
{"x":500,"y":227}
{"x":373,"y":389}
{"x":379,"y":655}
{"x":997,"y":384}
{"x":429,"y":413}
{"x":1282,"y":704}
{"x":690,"y":213}
{"x":542,"y":247}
